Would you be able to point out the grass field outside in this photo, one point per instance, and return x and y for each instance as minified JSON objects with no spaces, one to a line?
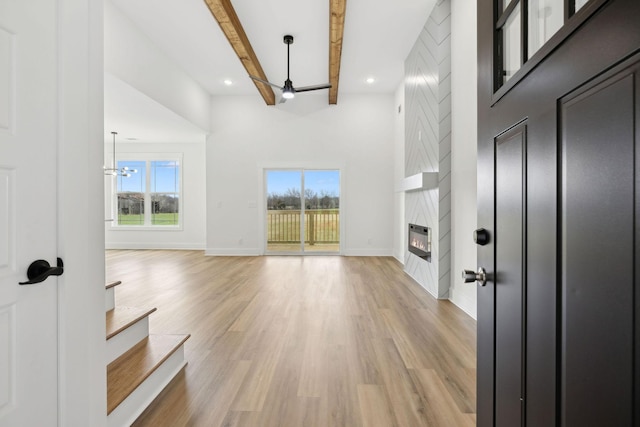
{"x":156,"y":219}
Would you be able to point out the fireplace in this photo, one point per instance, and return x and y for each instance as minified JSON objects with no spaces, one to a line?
{"x":420,"y":241}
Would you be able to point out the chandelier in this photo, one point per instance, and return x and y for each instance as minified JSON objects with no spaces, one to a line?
{"x":113,"y":170}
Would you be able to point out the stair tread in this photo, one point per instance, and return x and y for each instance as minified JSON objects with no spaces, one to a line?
{"x":128,"y":371}
{"x":120,"y":318}
{"x":112,"y":284}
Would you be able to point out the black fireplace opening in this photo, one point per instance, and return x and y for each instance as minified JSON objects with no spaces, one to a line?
{"x":420,"y":241}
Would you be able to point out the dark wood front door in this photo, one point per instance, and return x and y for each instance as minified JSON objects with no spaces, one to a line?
{"x":559,"y":193}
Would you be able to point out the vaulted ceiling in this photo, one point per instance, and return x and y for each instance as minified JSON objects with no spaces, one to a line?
{"x":378,"y":35}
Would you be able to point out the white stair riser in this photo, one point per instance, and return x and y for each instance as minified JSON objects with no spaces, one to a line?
{"x":131,"y":408}
{"x":120,"y":343}
{"x":110,"y":298}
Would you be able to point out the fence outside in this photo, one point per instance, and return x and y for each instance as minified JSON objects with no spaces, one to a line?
{"x":321,"y":226}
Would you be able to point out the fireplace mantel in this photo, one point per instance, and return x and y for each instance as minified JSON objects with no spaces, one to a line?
{"x":420,"y":181}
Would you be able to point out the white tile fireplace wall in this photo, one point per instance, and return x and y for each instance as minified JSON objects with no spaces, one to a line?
{"x":428,"y":147}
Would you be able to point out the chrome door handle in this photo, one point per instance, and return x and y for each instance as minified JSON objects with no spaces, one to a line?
{"x":39,"y":270}
{"x":470,"y":276}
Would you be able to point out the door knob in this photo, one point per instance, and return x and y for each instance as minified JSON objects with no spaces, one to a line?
{"x":471,"y":276}
{"x":39,"y":270}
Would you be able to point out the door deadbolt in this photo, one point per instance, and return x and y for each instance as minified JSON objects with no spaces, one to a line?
{"x":470,"y":276}
{"x":481,"y":236}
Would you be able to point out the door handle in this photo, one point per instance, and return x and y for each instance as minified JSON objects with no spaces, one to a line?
{"x":471,"y":276}
{"x":39,"y":270}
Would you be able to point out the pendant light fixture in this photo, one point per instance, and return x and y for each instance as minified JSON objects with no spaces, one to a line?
{"x":113,"y":170}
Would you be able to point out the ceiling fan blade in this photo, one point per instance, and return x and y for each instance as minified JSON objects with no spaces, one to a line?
{"x":314,"y":87}
{"x":266,"y":82}
{"x":282,"y":100}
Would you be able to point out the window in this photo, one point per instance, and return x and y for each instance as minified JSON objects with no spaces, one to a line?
{"x":545,"y":19}
{"x":149,"y":197}
{"x":523,"y":27}
{"x":165,"y":197}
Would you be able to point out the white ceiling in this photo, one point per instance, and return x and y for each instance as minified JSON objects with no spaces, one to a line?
{"x":133,"y":114}
{"x":378,"y":36}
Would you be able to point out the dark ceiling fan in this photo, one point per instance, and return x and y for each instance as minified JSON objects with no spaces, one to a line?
{"x":288,"y":91}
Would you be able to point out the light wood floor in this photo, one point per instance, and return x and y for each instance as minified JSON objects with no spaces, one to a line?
{"x":302,"y":341}
{"x":293,"y":248}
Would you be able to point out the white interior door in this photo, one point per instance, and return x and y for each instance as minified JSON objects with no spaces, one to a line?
{"x":28,"y":149}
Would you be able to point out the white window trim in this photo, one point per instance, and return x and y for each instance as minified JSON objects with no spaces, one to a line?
{"x":148,"y":157}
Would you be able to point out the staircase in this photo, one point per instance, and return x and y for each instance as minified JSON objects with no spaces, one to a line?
{"x":139,"y":365}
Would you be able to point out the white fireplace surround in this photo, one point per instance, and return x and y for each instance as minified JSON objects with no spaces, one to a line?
{"x":417,"y":182}
{"x":427,"y":186}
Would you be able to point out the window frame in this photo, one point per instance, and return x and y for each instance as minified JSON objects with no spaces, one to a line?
{"x":572,"y":20}
{"x":147,"y":158}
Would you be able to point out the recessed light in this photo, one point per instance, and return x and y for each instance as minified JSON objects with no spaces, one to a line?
{"x":228,"y":82}
{"x":131,"y":139}
{"x":371,"y":80}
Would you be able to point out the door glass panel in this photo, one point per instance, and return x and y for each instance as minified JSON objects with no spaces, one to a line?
{"x":579,"y":4}
{"x":322,"y":210}
{"x":511,"y":45}
{"x":284,"y":204}
{"x":545,"y":19}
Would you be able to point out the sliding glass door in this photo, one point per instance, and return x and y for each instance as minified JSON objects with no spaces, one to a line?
{"x":303,"y":211}
{"x":322,"y":210}
{"x":284,"y":210}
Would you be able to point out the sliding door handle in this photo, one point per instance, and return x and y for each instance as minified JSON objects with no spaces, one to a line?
{"x":39,"y":270}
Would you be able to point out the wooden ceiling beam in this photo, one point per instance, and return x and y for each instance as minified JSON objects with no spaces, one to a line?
{"x":225,"y":15}
{"x":336,"y":30}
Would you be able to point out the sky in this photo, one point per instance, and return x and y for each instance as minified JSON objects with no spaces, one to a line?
{"x":164,"y":177}
{"x":317,"y":180}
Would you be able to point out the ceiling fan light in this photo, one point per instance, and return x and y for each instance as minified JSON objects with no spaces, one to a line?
{"x":288,"y":94}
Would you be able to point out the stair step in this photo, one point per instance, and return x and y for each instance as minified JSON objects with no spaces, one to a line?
{"x":120,"y":318}
{"x":126,"y":327}
{"x":110,"y":295}
{"x":129,"y":371}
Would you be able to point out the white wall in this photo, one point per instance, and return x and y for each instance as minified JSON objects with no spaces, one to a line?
{"x":356,"y":135}
{"x":193,"y":233}
{"x":399,"y":224}
{"x":133,"y":58}
{"x":81,"y":372}
{"x":464,"y":150}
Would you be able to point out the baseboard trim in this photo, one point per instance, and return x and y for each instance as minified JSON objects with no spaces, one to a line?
{"x":258,"y":252}
{"x":147,"y":245}
{"x":232,"y":252}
